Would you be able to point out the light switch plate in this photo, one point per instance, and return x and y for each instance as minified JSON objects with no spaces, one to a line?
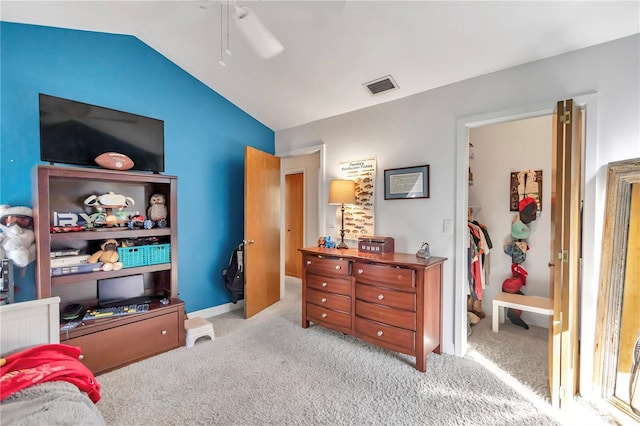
{"x":447,"y":226}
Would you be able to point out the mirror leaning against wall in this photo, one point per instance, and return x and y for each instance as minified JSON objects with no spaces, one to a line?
{"x":617,"y":356}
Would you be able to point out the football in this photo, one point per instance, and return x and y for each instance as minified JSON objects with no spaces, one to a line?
{"x":114,"y":161}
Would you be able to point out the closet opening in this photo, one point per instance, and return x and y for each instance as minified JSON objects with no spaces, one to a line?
{"x":510,"y":161}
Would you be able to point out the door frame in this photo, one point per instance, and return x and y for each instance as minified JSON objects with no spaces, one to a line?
{"x":593,"y":217}
{"x":319,"y":147}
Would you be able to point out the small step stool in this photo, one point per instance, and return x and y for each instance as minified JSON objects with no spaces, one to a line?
{"x":539,"y":305}
{"x":196,"y":328}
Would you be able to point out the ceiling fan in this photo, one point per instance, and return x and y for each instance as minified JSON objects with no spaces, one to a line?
{"x":263,"y":42}
{"x":257,"y":35}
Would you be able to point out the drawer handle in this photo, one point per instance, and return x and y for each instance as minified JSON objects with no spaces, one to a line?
{"x":324,"y":315}
{"x":324,"y":284}
{"x":380,"y":296}
{"x":308,"y":262}
{"x":338,"y":267}
{"x":380,"y":333}
{"x":81,"y":357}
{"x":360,"y":271}
{"x":163,"y":332}
{"x":324,"y":300}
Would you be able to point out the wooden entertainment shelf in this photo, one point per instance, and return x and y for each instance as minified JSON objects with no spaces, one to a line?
{"x":391,"y":300}
{"x":109,"y":343}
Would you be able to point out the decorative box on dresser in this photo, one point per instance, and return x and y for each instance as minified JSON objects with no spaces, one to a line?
{"x":391,"y":300}
{"x":109,"y":343}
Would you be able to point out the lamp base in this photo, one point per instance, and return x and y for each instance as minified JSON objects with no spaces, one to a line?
{"x":342,"y":245}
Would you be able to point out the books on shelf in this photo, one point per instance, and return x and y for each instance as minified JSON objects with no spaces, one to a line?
{"x":82,"y":268}
{"x":69,"y":260}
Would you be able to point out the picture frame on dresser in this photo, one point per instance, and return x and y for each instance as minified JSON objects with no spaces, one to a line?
{"x":406,"y":183}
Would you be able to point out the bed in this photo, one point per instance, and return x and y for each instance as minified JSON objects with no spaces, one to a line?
{"x":64,"y":391}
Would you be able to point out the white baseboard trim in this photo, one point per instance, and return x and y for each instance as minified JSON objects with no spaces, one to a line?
{"x":216,"y":310}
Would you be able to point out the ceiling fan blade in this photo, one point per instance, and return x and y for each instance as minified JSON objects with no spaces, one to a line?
{"x":265,"y":44}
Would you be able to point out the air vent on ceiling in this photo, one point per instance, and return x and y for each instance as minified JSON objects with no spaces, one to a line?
{"x":380,"y":85}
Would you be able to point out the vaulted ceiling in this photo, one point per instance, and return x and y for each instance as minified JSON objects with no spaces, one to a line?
{"x":331,"y":48}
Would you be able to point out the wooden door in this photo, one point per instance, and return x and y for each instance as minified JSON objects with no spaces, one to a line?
{"x":294,"y":223}
{"x":261,"y":230}
{"x":565,"y":252}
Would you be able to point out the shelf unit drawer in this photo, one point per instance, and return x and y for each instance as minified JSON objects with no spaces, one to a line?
{"x":386,"y":334}
{"x":321,"y":315}
{"x":383,"y":296}
{"x":115,"y":347}
{"x":337,"y":302}
{"x":326,"y":265}
{"x":386,"y":315}
{"x":387,"y":276}
{"x":329,"y":284}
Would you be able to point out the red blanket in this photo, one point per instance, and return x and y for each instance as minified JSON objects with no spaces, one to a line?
{"x":47,"y":363}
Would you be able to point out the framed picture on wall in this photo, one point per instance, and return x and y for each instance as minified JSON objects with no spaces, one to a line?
{"x":406,"y":182}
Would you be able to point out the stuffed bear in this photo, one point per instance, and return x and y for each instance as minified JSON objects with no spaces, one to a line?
{"x":17,"y":240}
{"x":108,"y":254}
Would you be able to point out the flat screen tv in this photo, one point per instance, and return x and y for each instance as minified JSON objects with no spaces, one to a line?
{"x":73,"y":132}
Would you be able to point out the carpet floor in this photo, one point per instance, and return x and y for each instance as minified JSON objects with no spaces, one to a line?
{"x":268,"y":370}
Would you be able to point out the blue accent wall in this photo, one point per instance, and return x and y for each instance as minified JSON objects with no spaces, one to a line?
{"x":205,"y":136}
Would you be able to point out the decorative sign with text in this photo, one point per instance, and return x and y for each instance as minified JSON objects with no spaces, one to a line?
{"x":359,"y":218}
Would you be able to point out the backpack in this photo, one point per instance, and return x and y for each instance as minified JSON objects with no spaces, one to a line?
{"x":234,"y":275}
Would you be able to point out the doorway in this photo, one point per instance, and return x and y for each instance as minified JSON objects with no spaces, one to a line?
{"x":495,"y":152}
{"x":583,"y":365}
{"x":294,"y":223}
{"x":307,"y":166}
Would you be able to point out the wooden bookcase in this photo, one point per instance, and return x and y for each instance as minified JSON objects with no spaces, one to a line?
{"x":109,"y":343}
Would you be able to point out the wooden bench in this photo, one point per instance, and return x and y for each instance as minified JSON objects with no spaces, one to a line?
{"x":536,"y":304}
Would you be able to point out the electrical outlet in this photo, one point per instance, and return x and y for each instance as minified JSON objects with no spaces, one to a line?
{"x":331,"y":222}
{"x":447,"y":226}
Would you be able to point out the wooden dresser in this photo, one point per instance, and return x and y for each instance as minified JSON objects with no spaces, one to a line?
{"x":391,"y":300}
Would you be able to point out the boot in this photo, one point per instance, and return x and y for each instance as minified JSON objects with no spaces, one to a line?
{"x":515,"y":319}
{"x":477,"y":309}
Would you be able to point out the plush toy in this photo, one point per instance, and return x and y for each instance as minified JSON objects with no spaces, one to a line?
{"x":108,"y":254}
{"x":17,"y":240}
{"x":157,"y":211}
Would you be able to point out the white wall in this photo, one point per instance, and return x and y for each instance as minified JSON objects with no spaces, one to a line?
{"x":421,"y":129}
{"x":498,"y":150}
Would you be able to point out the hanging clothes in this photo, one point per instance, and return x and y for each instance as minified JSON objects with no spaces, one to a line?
{"x":479,"y":247}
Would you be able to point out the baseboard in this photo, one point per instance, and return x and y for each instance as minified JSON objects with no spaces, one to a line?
{"x":216,"y":310}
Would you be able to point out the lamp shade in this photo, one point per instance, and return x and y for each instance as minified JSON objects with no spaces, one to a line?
{"x":342,"y":191}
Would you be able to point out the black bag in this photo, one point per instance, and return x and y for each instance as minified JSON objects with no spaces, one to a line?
{"x":234,"y":275}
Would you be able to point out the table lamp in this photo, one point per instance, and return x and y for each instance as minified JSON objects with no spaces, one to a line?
{"x":342,"y":191}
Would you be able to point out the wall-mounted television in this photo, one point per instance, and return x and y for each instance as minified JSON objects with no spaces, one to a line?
{"x":74,"y":132}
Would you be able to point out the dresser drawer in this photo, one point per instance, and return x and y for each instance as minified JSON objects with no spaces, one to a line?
{"x":386,"y":334}
{"x":337,"y":302}
{"x":390,"y":276}
{"x":384,"y":296}
{"x":326,"y":265}
{"x":329,"y":284}
{"x":118,"y":346}
{"x":320,"y":315}
{"x":386,"y":315}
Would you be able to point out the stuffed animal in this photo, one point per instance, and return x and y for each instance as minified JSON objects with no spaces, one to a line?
{"x":157,"y":211}
{"x":17,"y":240}
{"x":108,"y":254}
